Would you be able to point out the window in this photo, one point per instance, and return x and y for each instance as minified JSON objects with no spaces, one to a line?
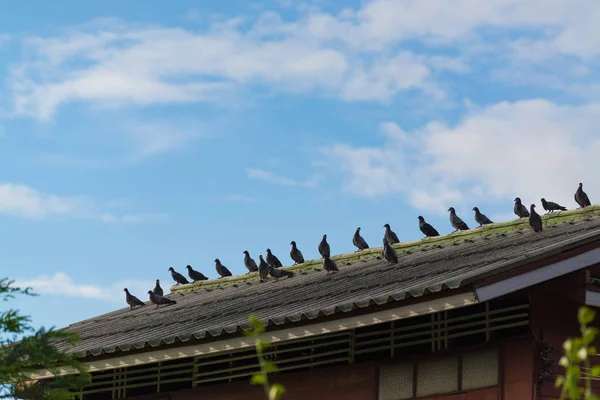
{"x":447,"y":374}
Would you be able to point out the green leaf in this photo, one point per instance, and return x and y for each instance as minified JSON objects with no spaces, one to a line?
{"x":277,"y":390}
{"x":257,"y":325}
{"x":258,"y":379}
{"x":589,"y":334}
{"x":585,"y":316}
{"x":595,"y":371}
{"x":560,"y":380}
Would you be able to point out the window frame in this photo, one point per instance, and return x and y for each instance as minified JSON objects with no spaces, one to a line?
{"x":459,"y":352}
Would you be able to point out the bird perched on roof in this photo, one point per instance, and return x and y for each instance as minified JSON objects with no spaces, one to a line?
{"x":551,"y":206}
{"x":249,"y":262}
{"x":296,"y":254}
{"x":132,"y":300}
{"x":221,"y":269}
{"x":157,"y":289}
{"x":390,"y":235}
{"x":480,"y":218}
{"x":329,"y":265}
{"x":456,"y":222}
{"x":389,"y":253}
{"x":177,"y":277}
{"x":263,"y":268}
{"x":358,"y":241}
{"x":159,"y":300}
{"x":581,"y":197}
{"x":279,"y":273}
{"x":428,"y":230}
{"x":534,"y":219}
{"x":195,"y":275}
{"x":324,"y":249}
{"x":273,"y":260}
{"x":519,"y":209}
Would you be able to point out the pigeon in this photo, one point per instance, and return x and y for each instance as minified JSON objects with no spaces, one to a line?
{"x":263,"y":268}
{"x":534,"y":219}
{"x":358,"y":241}
{"x":273,"y":260}
{"x":551,"y":206}
{"x":428,"y":230}
{"x":195,"y":275}
{"x":249,"y":262}
{"x":279,"y":273}
{"x":389,"y":253}
{"x":132,"y":300}
{"x":221,"y":269}
{"x":390,"y":235}
{"x":157,"y":289}
{"x":456,"y":222}
{"x":480,"y":218}
{"x":329,"y":265}
{"x":296,"y":254}
{"x":158,"y":300}
{"x":581,"y":198}
{"x":324,"y":249}
{"x":520,"y":209}
{"x":177,"y":277}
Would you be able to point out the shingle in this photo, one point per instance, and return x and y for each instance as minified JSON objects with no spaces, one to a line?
{"x":363,"y":283}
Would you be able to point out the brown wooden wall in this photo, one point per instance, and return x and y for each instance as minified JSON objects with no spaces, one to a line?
{"x":349,"y":382}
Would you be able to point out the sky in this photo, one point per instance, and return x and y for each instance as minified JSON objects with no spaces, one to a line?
{"x":135,"y":136}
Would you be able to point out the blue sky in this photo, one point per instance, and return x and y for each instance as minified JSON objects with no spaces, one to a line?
{"x":139,"y":135}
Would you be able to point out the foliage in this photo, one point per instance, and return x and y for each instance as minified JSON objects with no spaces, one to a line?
{"x":273,"y":391}
{"x":35,"y":350}
{"x":577,"y":352}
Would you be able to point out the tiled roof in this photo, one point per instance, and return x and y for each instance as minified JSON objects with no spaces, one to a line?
{"x":425,"y":266}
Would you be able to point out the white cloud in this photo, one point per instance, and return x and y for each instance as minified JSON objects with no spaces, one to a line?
{"x":61,"y":284}
{"x":261,"y":174}
{"x":361,"y":54}
{"x":23,"y":201}
{"x":530,"y":149}
{"x":271,"y":177}
{"x":150,"y":138}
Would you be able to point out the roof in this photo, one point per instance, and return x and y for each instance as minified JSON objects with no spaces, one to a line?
{"x":426,"y":266}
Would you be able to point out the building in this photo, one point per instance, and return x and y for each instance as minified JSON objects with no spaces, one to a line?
{"x":475,"y":315}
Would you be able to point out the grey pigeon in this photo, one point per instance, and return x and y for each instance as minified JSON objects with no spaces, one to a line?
{"x":358,"y":241}
{"x":389,"y":253}
{"x":456,"y":222}
{"x":480,"y":218}
{"x":157,"y":289}
{"x":196,"y":275}
{"x":428,"y":230}
{"x":177,"y":277}
{"x":581,"y":197}
{"x":279,"y":273}
{"x":296,"y":254}
{"x":273,"y":260}
{"x":534,"y":219}
{"x":324,"y":249}
{"x":132,"y":300}
{"x":221,"y":269}
{"x":249,"y":262}
{"x":551,"y":206}
{"x":263,"y":268}
{"x":390,"y":235}
{"x":329,"y":265}
{"x":159,"y":300}
{"x":519,"y":209}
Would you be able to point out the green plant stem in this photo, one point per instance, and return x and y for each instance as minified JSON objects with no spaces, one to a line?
{"x":261,"y":363}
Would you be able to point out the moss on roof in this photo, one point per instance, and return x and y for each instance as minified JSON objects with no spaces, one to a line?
{"x":408,"y":247}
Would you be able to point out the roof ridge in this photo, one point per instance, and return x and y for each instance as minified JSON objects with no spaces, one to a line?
{"x":451,"y":238}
